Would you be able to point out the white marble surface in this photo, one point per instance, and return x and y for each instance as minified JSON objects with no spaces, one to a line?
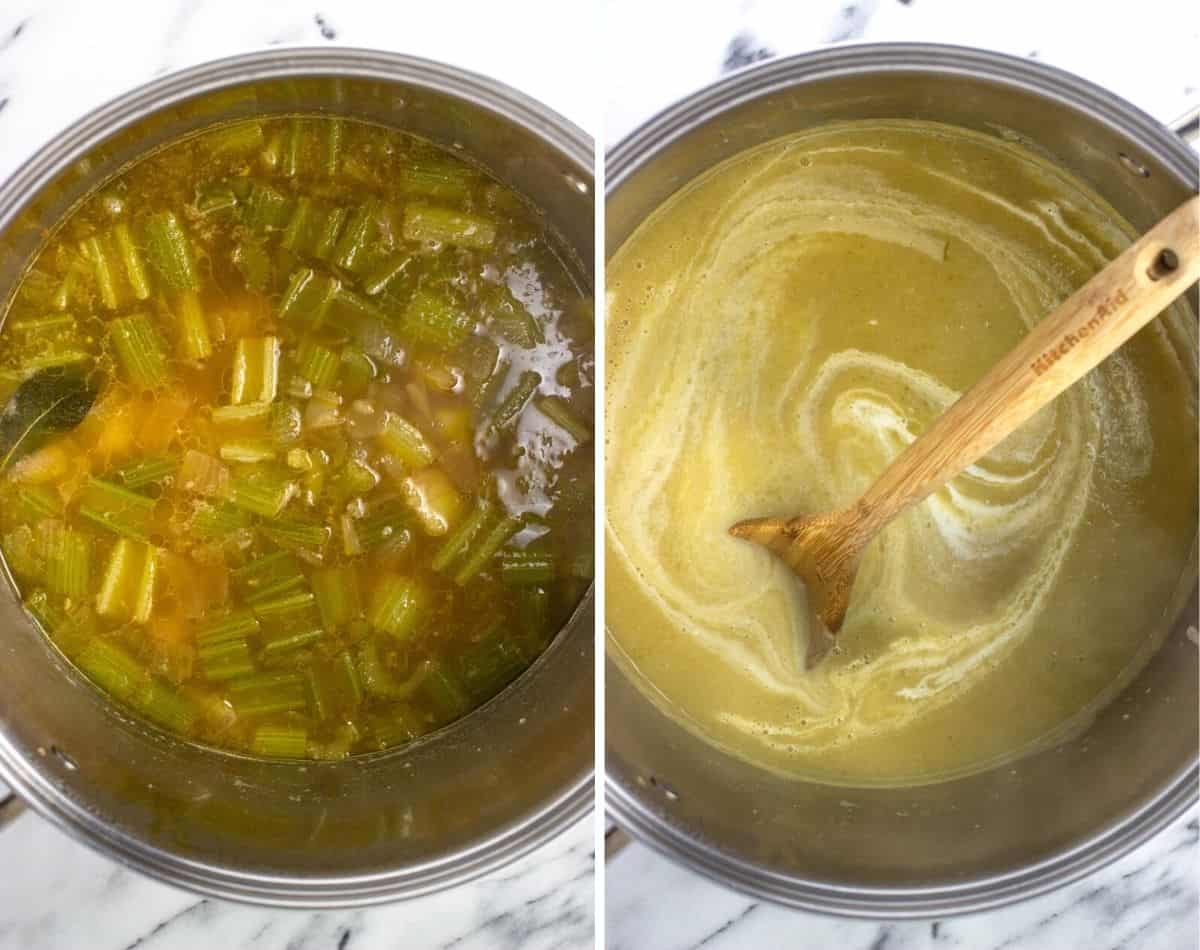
{"x":59,"y":59}
{"x":1145,"y":52}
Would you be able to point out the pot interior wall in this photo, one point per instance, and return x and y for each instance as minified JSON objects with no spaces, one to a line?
{"x":408,"y":821}
{"x":904,"y":851}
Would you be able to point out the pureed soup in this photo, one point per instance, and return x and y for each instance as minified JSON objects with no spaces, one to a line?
{"x":782,"y":328}
{"x":297,"y":459}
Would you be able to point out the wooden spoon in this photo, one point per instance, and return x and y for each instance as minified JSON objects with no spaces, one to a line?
{"x":825,"y":549}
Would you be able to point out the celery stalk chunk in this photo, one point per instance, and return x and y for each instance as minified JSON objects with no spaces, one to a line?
{"x":127,"y":591}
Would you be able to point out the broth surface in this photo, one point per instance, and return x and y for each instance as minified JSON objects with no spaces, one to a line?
{"x":783,"y":327}
{"x":334,"y":489}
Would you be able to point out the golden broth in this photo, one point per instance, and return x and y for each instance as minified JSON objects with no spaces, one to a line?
{"x":782,"y":328}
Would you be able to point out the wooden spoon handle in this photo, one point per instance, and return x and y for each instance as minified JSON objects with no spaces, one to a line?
{"x":1092,"y":323}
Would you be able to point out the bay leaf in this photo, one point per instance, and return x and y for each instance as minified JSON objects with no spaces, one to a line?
{"x":48,"y":403}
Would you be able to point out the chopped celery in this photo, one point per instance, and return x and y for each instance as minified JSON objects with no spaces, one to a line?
{"x":465,"y":536}
{"x":385,"y":521}
{"x":281,"y":606}
{"x":335,"y":686}
{"x":215,"y":199}
{"x":405,"y":441}
{"x":255,"y":370}
{"x":379,"y":682}
{"x":111,"y":288}
{"x":121,"y":511}
{"x":399,"y":725}
{"x":236,"y":139}
{"x":514,"y":402}
{"x":264,"y":574}
{"x":434,"y":320}
{"x":445,"y":693}
{"x":480,"y":360}
{"x":283,"y":742}
{"x":138,"y":349}
{"x":263,"y":492}
{"x":356,"y":372}
{"x":526,"y":568}
{"x":135,"y":270}
{"x":170,"y":251}
{"x":194,"y":341}
{"x":445,"y":226}
{"x":34,"y":502}
{"x":265,"y":693}
{"x":225,"y":659}
{"x":293,"y":532}
{"x":533,"y":608}
{"x":68,"y":557}
{"x":480,"y":554}
{"x":354,"y":248}
{"x":316,"y":363}
{"x":127,"y":592}
{"x":509,"y":318}
{"x":313,"y":229}
{"x":235,"y":625}
{"x":398,"y":605}
{"x":286,"y":423}
{"x":24,"y":554}
{"x":236,"y":415}
{"x":308,"y":296}
{"x":165,"y":706}
{"x":436,"y":179}
{"x":247,"y":450}
{"x":285,"y":642}
{"x":559,"y":411}
{"x":385,"y":274}
{"x":266,"y":209}
{"x":146,"y":471}
{"x":432,"y":497}
{"x":50,"y":325}
{"x":112,"y":669}
{"x":218,"y":521}
{"x":331,"y":147}
{"x":338,"y":597}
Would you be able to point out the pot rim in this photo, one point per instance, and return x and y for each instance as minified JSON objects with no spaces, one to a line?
{"x":502,"y":845}
{"x":1106,"y":844}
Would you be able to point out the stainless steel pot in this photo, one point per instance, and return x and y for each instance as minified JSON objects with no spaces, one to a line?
{"x":455,"y":805}
{"x":991,"y":838}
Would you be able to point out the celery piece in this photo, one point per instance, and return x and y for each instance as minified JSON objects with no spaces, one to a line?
{"x":316,"y":363}
{"x":111,"y":668}
{"x":67,"y":291}
{"x":278,"y":588}
{"x":237,"y":415}
{"x":263,"y":491}
{"x":331,"y":147}
{"x":135,"y":270}
{"x":337,"y":593}
{"x":433,"y":499}
{"x":253,"y":263}
{"x":280,"y":742}
{"x":512,"y":404}
{"x":239,"y":138}
{"x":356,"y":371}
{"x":533,"y":609}
{"x":286,"y":423}
{"x":34,"y":502}
{"x":526,"y":568}
{"x":559,"y":411}
{"x":24,"y":554}
{"x":255,"y":370}
{"x":53,"y":324}
{"x":480,"y":554}
{"x":283,"y":643}
{"x":294,"y":532}
{"x":350,"y":313}
{"x":50,"y":615}
{"x":138,"y":349}
{"x":225,"y":660}
{"x":335,"y":686}
{"x":247,"y":450}
{"x":235,"y":625}
{"x":215,"y":199}
{"x":446,"y":226}
{"x":283,"y":605}
{"x":145,"y":471}
{"x":444,"y":691}
{"x":381,"y":277}
{"x":480,"y":358}
{"x":68,"y":557}
{"x":203,"y":475}
{"x":378,"y":681}
{"x":360,"y":238}
{"x":104,"y":269}
{"x":194,"y":341}
{"x":170,"y":251}
{"x":436,"y":179}
{"x":466,"y":536}
{"x":509,"y":318}
{"x":163,"y":705}
{"x":264,"y":575}
{"x":300,"y":459}
{"x":405,"y":441}
{"x":127,"y":592}
{"x":266,"y":693}
{"x":308,"y":297}
{"x":291,"y":159}
{"x":400,"y":724}
{"x":434,"y":320}
{"x":265,"y":209}
{"x":313,"y":229}
{"x":490,"y":665}
{"x":398,"y":605}
{"x":121,"y":511}
{"x":384,"y":522}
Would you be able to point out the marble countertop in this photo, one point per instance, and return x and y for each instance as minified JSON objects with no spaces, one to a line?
{"x":59,"y":59}
{"x":1147,"y":901}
